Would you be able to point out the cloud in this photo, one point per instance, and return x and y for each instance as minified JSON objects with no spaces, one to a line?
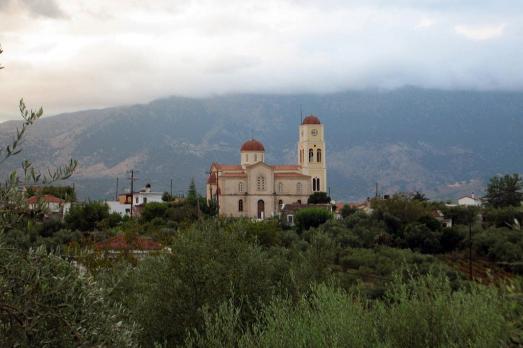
{"x":131,"y":51}
{"x":480,"y":33}
{"x":44,"y":8}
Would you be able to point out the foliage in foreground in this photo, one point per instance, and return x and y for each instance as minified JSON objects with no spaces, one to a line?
{"x":416,"y":312}
{"x":45,"y":301}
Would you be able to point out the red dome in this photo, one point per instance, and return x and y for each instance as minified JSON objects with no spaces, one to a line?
{"x":252,"y":145}
{"x":311,"y":119}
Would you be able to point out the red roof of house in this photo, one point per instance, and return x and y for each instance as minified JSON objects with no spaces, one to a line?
{"x":120,"y":242}
{"x":311,"y":119}
{"x":44,"y":198}
{"x":252,"y":145}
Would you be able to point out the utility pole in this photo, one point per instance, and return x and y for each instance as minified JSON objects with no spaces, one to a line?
{"x":376,"y":194}
{"x":470,"y":250}
{"x":171,"y":188}
{"x":116,"y":193}
{"x":132,"y":179}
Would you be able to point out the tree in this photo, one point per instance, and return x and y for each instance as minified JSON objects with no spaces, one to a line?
{"x":347,"y":211}
{"x":44,"y":301}
{"x":86,"y":217}
{"x":311,"y":217}
{"x":419,"y":196}
{"x":504,"y":191}
{"x":192,"y":193}
{"x":319,"y":198}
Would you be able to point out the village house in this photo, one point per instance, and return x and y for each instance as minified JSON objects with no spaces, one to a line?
{"x":51,"y":206}
{"x":470,"y":201}
{"x":123,"y":205}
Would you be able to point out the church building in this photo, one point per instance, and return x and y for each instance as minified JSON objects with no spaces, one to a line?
{"x":256,"y":189}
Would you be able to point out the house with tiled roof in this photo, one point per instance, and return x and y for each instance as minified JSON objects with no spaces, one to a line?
{"x":49,"y":204}
{"x":259,"y":190}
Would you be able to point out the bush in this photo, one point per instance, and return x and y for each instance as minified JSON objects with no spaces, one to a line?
{"x":311,"y":217}
{"x":167,"y":294}
{"x":499,"y":244}
{"x":417,"y":312}
{"x":154,"y":210}
{"x":46,"y":302}
{"x":318,"y":198}
{"x":85,"y":217}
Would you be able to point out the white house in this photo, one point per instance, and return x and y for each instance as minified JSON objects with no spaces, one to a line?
{"x":123,"y":205}
{"x":470,"y":201}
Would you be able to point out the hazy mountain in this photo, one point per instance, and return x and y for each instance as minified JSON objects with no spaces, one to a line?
{"x":441,"y":142}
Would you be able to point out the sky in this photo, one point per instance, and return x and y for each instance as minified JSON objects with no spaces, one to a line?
{"x":71,"y":55}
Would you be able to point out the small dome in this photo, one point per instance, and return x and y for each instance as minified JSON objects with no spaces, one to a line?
{"x":252,"y":145}
{"x":311,"y":119}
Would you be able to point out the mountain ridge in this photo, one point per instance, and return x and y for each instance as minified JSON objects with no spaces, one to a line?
{"x":445,"y":143}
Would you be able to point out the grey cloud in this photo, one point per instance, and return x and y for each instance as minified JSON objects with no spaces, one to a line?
{"x":44,"y":8}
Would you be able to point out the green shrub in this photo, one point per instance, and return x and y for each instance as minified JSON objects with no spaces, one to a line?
{"x":417,"y":312}
{"x":311,"y":217}
{"x":46,"y":302}
{"x":85,"y":217}
{"x":153,"y":210}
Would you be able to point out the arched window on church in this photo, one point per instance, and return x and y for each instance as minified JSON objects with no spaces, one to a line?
{"x":260,"y":183}
{"x":240,"y":205}
{"x":280,"y":187}
{"x":318,"y":155}
{"x":311,"y":155}
{"x":314,"y":185}
{"x":240,"y":187}
{"x":299,"y":188}
{"x":317,"y":184}
{"x":280,"y":204}
{"x":301,"y":156}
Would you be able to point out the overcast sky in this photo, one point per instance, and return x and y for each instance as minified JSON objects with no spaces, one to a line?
{"x":70,"y":55}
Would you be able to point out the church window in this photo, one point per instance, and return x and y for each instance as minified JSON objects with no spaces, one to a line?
{"x":240,"y":187}
{"x":298,"y":187}
{"x":318,"y":155}
{"x":260,"y":183}
{"x":301,"y":156}
{"x":280,"y":204}
{"x":311,"y":155}
{"x":240,"y":205}
{"x":316,"y":184}
{"x":280,"y":187}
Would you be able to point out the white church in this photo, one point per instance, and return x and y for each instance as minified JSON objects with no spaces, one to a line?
{"x":256,"y":189}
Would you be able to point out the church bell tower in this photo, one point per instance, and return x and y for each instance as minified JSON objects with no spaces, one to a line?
{"x":312,"y":152}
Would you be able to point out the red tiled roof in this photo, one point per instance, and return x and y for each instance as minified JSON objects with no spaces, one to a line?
{"x":234,"y":175}
{"x":228,"y":166}
{"x":289,"y":175}
{"x":311,"y":119}
{"x":44,"y":198}
{"x":286,"y":167}
{"x":119,"y":242}
{"x":252,"y":145}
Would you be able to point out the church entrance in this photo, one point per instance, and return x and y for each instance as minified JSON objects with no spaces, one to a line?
{"x":261,"y":209}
